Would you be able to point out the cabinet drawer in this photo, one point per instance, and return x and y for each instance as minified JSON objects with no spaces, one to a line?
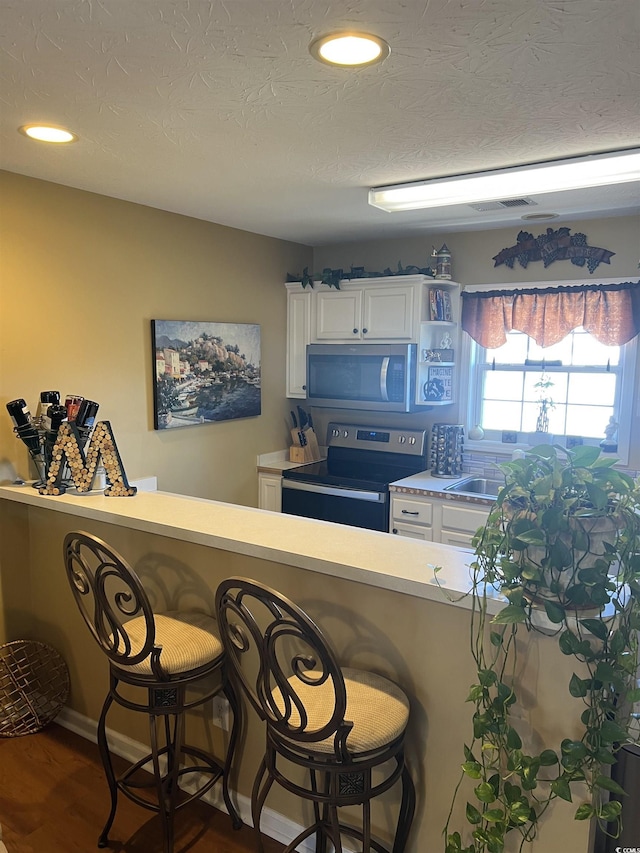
{"x":460,"y":540}
{"x":414,"y":511}
{"x":459,"y":517}
{"x":412,"y":531}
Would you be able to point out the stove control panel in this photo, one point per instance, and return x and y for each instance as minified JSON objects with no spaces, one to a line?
{"x":409,"y":441}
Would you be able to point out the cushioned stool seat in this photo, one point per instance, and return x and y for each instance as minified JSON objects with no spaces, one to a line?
{"x":377,"y":708}
{"x":188,"y":641}
{"x":164,"y":654}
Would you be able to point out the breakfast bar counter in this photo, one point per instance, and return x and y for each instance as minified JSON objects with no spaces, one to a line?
{"x":374,"y":594}
{"x":352,"y":553}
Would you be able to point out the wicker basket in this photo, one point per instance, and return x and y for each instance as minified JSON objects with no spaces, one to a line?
{"x":34,"y":685}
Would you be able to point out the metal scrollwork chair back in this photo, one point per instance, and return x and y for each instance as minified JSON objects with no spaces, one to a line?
{"x":163,"y":655}
{"x":336,"y":722}
{"x":109,"y":594}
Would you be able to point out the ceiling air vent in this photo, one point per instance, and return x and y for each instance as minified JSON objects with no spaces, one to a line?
{"x":500,"y":205}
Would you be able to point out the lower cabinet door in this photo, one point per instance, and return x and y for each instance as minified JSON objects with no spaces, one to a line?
{"x":270,"y":492}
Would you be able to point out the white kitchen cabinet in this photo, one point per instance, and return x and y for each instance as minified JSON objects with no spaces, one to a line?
{"x":364,"y":313}
{"x":452,"y":522}
{"x":388,"y":309}
{"x":299,"y":305}
{"x":270,"y":491}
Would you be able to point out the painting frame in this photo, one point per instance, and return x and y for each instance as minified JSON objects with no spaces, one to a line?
{"x":204,"y":371}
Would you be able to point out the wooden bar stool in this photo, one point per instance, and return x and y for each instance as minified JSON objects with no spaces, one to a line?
{"x":338,"y":724}
{"x":165,"y":654}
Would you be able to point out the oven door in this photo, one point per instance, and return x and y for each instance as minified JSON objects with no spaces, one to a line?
{"x":357,"y":507}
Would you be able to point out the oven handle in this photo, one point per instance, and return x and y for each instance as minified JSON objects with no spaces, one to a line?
{"x":334,"y":491}
{"x":384,"y":370}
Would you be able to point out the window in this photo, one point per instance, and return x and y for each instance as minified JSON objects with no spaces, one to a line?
{"x":584,"y":383}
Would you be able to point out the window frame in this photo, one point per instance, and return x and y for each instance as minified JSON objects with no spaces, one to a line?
{"x":472,"y":382}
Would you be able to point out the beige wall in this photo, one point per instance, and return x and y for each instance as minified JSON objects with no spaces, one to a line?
{"x":473,"y":253}
{"x":82,"y":275}
{"x":422,"y":645}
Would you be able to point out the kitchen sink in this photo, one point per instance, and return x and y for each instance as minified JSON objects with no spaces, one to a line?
{"x":476,"y":486}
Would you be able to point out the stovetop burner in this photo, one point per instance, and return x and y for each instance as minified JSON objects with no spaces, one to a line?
{"x":352,"y":476}
{"x":362,"y":457}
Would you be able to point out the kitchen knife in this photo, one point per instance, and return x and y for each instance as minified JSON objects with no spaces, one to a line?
{"x":310,"y":421}
{"x":293,"y":420}
{"x":302,"y":417}
{"x":302,"y":438}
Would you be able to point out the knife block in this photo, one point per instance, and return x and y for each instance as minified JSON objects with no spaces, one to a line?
{"x":309,"y":453}
{"x":312,"y":451}
{"x":297,"y":454}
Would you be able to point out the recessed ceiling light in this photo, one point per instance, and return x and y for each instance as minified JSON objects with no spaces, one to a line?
{"x":349,"y":49}
{"x":47,"y":133}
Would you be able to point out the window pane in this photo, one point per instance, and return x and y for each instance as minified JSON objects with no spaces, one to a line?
{"x":513,"y":352}
{"x":587,"y":350}
{"x":558,"y":352}
{"x":557,"y":420}
{"x":592,"y":388}
{"x":499,"y":385}
{"x":499,"y":415}
{"x":588,"y":421}
{"x":529,"y":417}
{"x":557,"y":392}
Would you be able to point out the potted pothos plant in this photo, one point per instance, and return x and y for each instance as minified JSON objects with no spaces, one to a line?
{"x":562,"y":547}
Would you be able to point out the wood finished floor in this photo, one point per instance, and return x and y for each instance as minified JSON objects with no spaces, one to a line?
{"x":54,"y":799}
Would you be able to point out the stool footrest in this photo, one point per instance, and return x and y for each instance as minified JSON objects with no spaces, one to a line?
{"x":130,"y":787}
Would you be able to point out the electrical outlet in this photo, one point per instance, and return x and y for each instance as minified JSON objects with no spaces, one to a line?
{"x":221,"y":713}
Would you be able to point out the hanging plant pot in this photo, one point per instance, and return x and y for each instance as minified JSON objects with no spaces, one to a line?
{"x":571,"y":565}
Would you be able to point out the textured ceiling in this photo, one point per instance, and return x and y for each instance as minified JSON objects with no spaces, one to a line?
{"x":216,"y":109}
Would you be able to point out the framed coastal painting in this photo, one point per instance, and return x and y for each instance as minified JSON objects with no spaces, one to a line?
{"x":204,"y":372}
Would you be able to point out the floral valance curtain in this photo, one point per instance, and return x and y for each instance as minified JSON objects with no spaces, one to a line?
{"x":610,"y":312}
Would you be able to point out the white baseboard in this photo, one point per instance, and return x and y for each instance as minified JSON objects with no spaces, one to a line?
{"x":272,"y":823}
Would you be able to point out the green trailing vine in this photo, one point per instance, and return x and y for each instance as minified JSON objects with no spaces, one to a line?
{"x":333,"y":277}
{"x":542,"y":550}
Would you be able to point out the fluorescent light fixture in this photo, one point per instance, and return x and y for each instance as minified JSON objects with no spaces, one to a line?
{"x":592,"y":170}
{"x":47,"y":133}
{"x":349,"y":49}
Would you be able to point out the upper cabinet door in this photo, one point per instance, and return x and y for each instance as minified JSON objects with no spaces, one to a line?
{"x":388,"y":314}
{"x":339,"y":315}
{"x":376,"y":314}
{"x":298,"y":336}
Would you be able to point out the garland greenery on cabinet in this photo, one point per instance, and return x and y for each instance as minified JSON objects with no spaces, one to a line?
{"x":333,"y":277}
{"x":562,"y":547}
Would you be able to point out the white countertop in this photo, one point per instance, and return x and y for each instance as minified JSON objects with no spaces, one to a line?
{"x":378,"y":559}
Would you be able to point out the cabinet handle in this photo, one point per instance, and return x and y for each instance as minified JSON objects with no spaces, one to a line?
{"x":355,"y":331}
{"x":408,"y":512}
{"x":395,"y":530}
{"x":304,"y":387}
{"x":364,"y":331}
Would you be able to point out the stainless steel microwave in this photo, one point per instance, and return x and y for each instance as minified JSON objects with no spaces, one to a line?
{"x":374,"y":377}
